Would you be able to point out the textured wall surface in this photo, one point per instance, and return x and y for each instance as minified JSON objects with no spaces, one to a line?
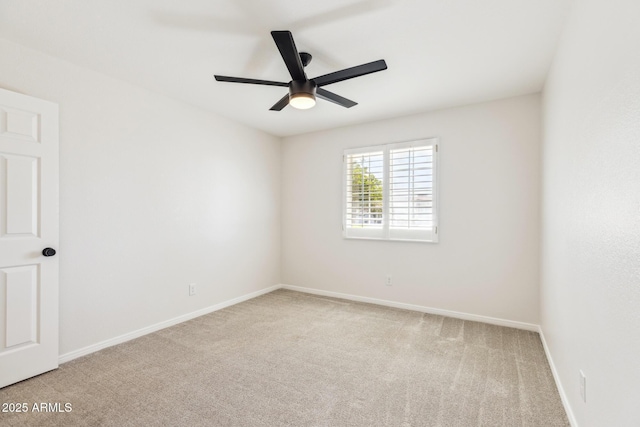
{"x":486,"y":261}
{"x":154,"y":195}
{"x":590,"y":294}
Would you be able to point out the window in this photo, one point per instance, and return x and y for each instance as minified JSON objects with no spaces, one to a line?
{"x":390,"y":192}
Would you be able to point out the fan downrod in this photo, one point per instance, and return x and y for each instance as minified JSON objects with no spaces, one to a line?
{"x":305,"y":58}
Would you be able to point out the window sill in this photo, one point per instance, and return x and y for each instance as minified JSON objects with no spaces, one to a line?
{"x":381,"y":239}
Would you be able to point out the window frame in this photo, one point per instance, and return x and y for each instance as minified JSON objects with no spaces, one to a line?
{"x":386,"y":232}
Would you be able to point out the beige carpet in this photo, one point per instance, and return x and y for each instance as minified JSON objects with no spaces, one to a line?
{"x":292,"y":359}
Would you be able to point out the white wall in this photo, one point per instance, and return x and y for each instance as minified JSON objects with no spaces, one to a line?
{"x":590,"y":292}
{"x":154,"y":194}
{"x":486,"y":262}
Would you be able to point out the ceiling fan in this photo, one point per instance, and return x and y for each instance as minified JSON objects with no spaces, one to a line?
{"x":302,"y":90}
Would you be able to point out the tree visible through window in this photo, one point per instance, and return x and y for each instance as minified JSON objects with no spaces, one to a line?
{"x":391,"y":191}
{"x":366,"y":196}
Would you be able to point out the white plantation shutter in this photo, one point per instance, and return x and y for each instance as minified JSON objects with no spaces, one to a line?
{"x":411,"y":213}
{"x":390,"y":192}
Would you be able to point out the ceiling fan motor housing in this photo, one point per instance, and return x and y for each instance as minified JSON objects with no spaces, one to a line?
{"x":298,"y":87}
{"x":302,"y":94}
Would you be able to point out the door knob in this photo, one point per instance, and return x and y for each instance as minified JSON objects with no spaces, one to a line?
{"x":48,"y":252}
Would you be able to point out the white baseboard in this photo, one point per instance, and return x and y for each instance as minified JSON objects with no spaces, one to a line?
{"x":556,"y":377}
{"x":420,"y":308}
{"x":171,"y":322}
{"x":158,"y":326}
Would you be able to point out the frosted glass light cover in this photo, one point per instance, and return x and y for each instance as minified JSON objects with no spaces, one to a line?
{"x":302,"y":101}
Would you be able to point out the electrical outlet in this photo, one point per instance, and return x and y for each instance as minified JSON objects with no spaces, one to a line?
{"x":192,"y":289}
{"x":388,"y":281}
{"x":583,"y":386}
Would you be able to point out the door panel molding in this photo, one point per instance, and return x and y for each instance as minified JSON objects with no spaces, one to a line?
{"x":28,"y":224}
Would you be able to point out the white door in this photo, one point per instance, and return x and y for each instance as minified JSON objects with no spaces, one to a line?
{"x":28,"y":225}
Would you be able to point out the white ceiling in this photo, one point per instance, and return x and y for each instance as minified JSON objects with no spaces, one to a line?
{"x":440,"y":53}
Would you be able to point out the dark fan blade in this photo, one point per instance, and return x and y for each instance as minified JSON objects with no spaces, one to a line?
{"x":280,"y":104}
{"x":349,"y":73}
{"x":336,"y":99}
{"x":287,"y":48}
{"x":250,"y":81}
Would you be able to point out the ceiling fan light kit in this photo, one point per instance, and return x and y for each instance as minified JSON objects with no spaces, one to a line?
{"x":302,"y":90}
{"x":302,"y":95}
